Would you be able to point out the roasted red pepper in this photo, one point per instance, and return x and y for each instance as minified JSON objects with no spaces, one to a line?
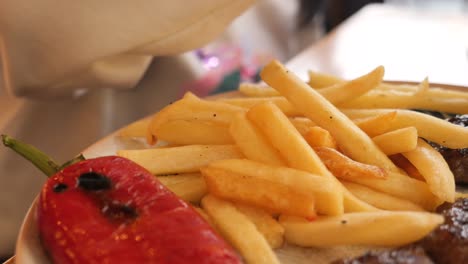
{"x":111,"y":210}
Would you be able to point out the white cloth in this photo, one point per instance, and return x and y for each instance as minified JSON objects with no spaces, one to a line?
{"x":52,"y":48}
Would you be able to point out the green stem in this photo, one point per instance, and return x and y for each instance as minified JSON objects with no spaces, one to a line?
{"x":76,"y":159}
{"x":37,"y":157}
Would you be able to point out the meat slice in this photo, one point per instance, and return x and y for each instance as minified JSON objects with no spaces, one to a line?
{"x":457,"y":159}
{"x":406,"y":255}
{"x":449,"y":242}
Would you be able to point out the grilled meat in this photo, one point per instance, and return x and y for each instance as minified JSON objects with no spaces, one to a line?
{"x":407,"y":255}
{"x":457,"y":159}
{"x":449,"y":242}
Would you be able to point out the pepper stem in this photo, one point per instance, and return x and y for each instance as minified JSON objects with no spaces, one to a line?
{"x":34,"y":155}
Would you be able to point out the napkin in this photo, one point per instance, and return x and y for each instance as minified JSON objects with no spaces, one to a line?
{"x":54,"y":47}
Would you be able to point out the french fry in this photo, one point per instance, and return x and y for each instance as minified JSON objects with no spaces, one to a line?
{"x":135,"y":129}
{"x":236,"y":228}
{"x":257,"y":90}
{"x":319,"y":80}
{"x":295,"y":150}
{"x":432,"y":166}
{"x":368,"y":228}
{"x":327,"y":195}
{"x":403,"y":187}
{"x":284,"y":137}
{"x":353,"y":141}
{"x":419,"y":98}
{"x":252,"y":143}
{"x":349,"y":90}
{"x":273,"y":196}
{"x":429,"y":127}
{"x":189,"y":187}
{"x":381,"y":200}
{"x":286,"y":107}
{"x":302,"y":124}
{"x":397,"y":141}
{"x":265,"y":223}
{"x":406,"y":166}
{"x":193,"y":132}
{"x":192,"y":108}
{"x":376,"y":125}
{"x":183,"y":159}
{"x":337,"y":93}
{"x":345,"y":168}
{"x":319,"y":137}
{"x":353,"y":204}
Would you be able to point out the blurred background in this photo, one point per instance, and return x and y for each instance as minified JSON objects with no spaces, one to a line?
{"x":412,"y":38}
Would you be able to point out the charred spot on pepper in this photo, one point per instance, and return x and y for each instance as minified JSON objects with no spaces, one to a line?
{"x":119,"y":212}
{"x":60,"y":187}
{"x":93,"y":181}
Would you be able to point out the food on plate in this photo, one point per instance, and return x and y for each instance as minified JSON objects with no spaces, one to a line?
{"x":239,"y":230}
{"x":363,"y":228}
{"x":375,"y":169}
{"x":406,"y":255}
{"x":287,"y":162}
{"x":457,"y":159}
{"x":446,"y":244}
{"x":111,"y":210}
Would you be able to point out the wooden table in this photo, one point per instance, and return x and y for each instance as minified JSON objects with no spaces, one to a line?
{"x":411,"y":44}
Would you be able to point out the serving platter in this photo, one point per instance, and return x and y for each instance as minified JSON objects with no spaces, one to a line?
{"x":29,"y":249}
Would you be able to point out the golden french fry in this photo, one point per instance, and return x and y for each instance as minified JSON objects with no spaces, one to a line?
{"x":193,"y":132}
{"x":294,"y":149}
{"x":239,"y":231}
{"x":419,"y":98}
{"x":319,"y":80}
{"x":429,"y":127}
{"x":286,"y":107}
{"x":381,"y":200}
{"x":376,"y":125}
{"x":189,"y":187}
{"x":273,"y":196}
{"x":353,"y":204}
{"x":282,"y":134}
{"x":403,"y":187}
{"x":345,"y":168}
{"x":432,"y":166}
{"x":257,"y":90}
{"x":397,"y":141}
{"x":252,"y":143}
{"x":265,"y":223}
{"x":183,"y":159}
{"x":326,"y":193}
{"x":382,"y":228}
{"x":302,"y":124}
{"x":135,"y":129}
{"x":352,"y":140}
{"x":319,"y":137}
{"x":406,"y":166}
{"x":193,"y":108}
{"x":349,"y":90}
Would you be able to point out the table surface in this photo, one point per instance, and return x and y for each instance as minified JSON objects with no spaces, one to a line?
{"x":411,"y":44}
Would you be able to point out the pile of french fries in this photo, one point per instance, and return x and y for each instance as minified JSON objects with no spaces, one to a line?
{"x":319,"y":164}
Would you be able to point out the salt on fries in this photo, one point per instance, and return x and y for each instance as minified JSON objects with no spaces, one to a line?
{"x":333,"y":174}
